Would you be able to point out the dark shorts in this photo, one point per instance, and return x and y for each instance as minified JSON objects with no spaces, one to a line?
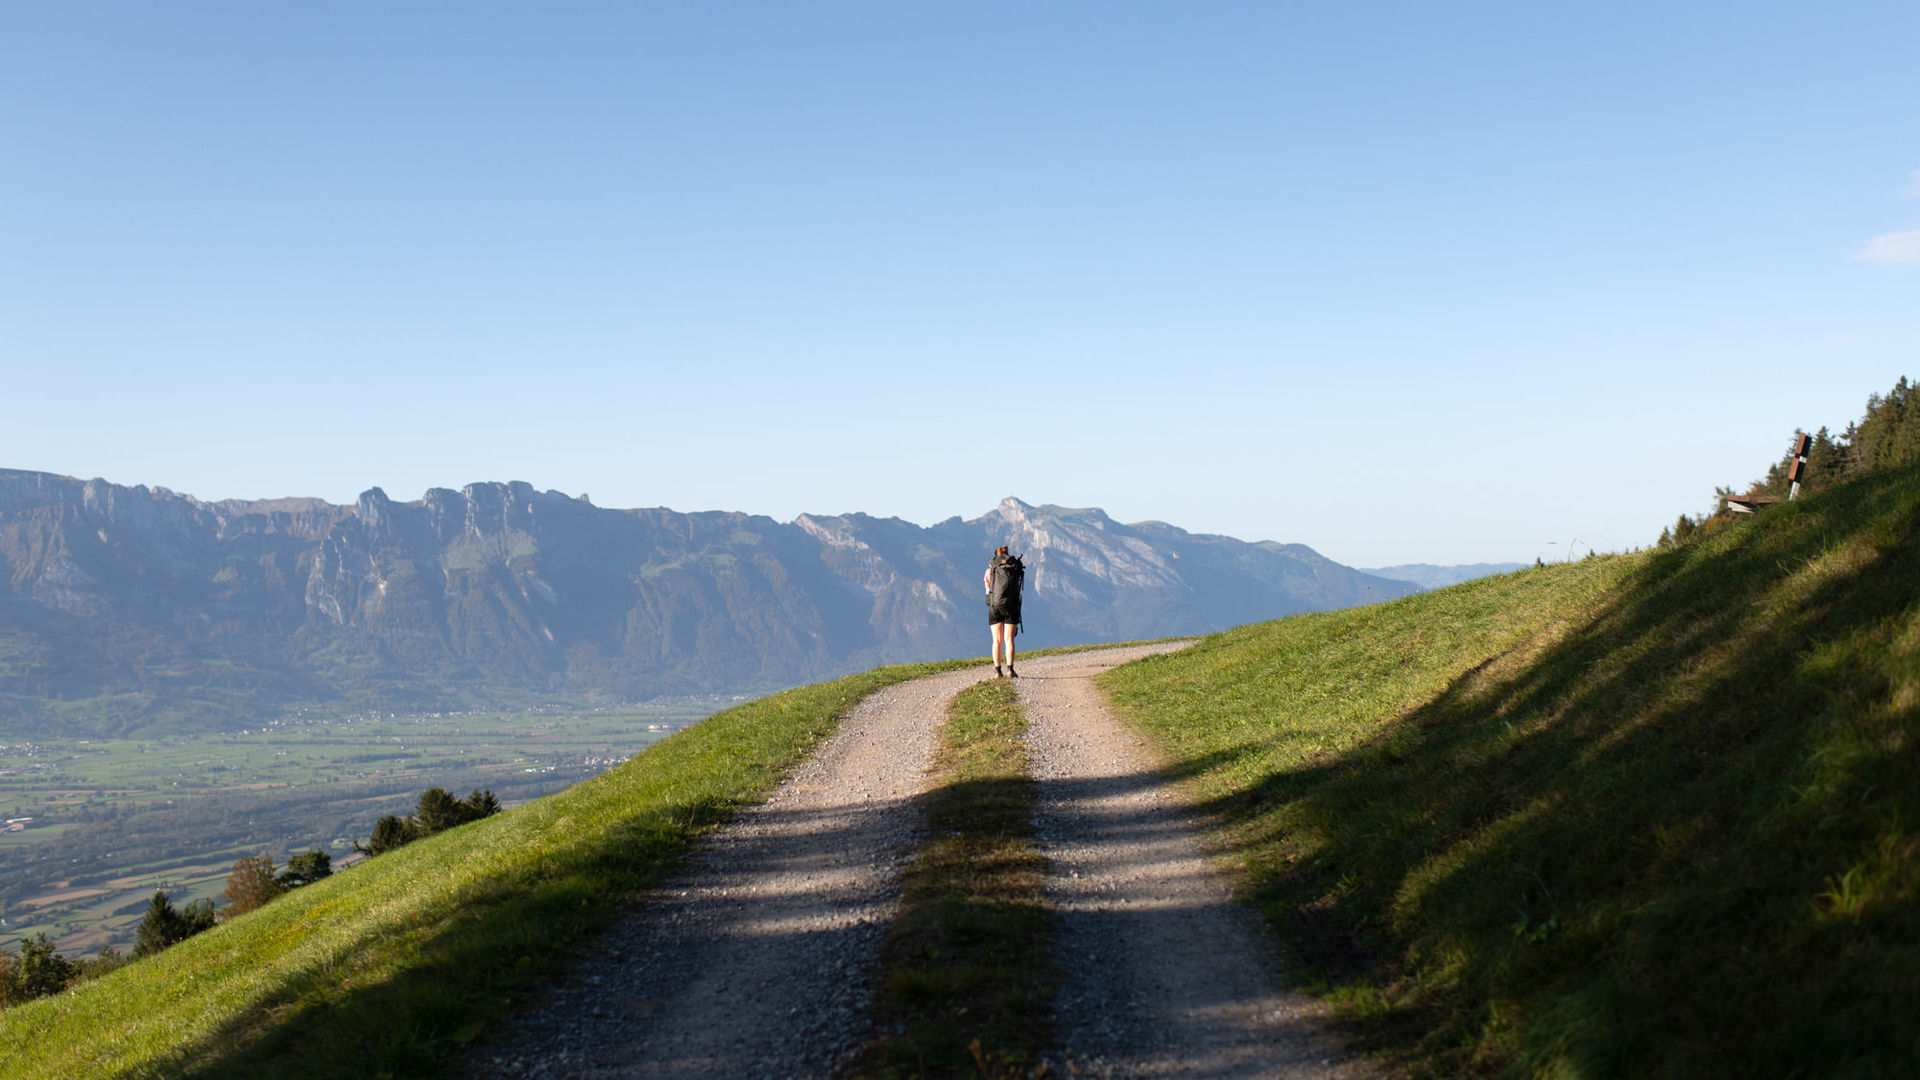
{"x":1008,"y":614}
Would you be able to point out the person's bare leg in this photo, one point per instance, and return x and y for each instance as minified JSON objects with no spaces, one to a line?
{"x":1010,"y":630}
{"x":994,"y":630}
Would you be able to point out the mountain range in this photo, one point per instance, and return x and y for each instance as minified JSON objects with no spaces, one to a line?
{"x":130,"y":608}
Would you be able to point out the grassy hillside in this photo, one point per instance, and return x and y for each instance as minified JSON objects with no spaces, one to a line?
{"x":1652,"y":815}
{"x":390,"y":967}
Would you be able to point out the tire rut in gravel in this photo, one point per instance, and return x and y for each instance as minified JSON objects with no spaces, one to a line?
{"x":754,"y":960}
{"x":1166,"y":974}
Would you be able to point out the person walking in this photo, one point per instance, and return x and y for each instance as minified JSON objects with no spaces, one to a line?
{"x":1002,"y":580}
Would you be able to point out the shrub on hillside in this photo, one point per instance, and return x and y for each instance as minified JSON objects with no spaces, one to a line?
{"x":251,"y":884}
{"x":35,"y":972}
{"x":253,"y":881}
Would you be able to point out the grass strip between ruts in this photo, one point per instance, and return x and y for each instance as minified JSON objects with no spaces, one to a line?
{"x":394,"y":967}
{"x":966,"y":968}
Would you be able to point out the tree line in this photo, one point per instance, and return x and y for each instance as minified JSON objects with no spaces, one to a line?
{"x":1886,"y":436}
{"x":36,"y":970}
{"x":436,"y":811}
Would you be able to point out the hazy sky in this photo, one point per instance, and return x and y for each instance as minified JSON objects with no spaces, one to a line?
{"x":1404,"y":282}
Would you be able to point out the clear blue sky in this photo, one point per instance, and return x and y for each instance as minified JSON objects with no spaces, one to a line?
{"x":1404,"y":282}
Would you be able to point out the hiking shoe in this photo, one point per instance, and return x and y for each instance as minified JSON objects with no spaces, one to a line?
{"x":1012,"y":672}
{"x":996,"y":671}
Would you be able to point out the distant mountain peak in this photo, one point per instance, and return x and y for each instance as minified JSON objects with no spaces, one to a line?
{"x":1022,"y":518}
{"x":1009,"y":509}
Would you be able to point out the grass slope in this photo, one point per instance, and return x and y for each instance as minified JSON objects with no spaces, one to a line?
{"x":389,"y":968}
{"x":1652,"y":815}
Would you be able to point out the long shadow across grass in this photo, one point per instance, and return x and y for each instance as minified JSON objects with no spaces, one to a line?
{"x":1682,"y":839}
{"x":966,"y":970}
{"x":971,"y":968}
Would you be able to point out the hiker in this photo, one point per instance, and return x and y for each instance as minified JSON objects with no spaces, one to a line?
{"x":1002,"y":580}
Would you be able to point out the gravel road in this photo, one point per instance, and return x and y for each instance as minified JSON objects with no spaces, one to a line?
{"x":756,"y":960}
{"x":1165,"y":974}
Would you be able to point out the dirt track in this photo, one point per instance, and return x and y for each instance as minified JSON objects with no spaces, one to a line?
{"x":756,"y":960}
{"x":1166,"y":974}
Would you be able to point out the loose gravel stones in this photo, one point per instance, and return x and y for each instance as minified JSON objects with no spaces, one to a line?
{"x":1166,"y":975}
{"x":754,"y":961}
{"x":757,"y":960}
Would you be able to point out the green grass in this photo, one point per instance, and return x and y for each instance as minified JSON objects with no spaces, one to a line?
{"x":967,"y":979}
{"x":1651,"y":816}
{"x":389,"y":968}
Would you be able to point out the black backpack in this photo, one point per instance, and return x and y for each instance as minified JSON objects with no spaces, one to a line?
{"x":1003,"y":587}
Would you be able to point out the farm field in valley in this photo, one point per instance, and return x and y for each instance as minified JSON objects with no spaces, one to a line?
{"x":90,"y":828}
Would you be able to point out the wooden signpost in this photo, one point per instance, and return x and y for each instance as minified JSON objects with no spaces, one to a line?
{"x":1799,"y":467}
{"x":1747,"y":504}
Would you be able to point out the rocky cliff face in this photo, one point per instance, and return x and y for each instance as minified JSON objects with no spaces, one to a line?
{"x":140,"y":606}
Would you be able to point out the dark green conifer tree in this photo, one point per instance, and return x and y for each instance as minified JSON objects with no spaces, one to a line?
{"x":482,"y":804}
{"x":436,"y":811}
{"x":164,"y":925}
{"x":1828,"y":462}
{"x":306,"y":868}
{"x":388,"y":833}
{"x":1889,"y":434}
